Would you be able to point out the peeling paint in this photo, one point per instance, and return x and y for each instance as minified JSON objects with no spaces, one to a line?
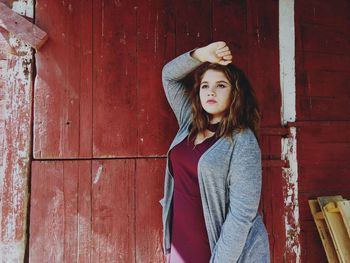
{"x":98,"y":174}
{"x":290,"y":193}
{"x":288,"y":145}
{"x":24,"y":7}
{"x":15,"y":118}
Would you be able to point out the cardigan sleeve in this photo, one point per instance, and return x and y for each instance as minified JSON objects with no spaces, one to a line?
{"x":244,"y":197}
{"x":172,"y":75}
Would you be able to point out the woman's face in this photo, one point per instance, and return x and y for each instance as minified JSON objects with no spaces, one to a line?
{"x":215,"y":94}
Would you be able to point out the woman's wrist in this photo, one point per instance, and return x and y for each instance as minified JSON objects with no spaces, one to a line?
{"x":197,"y":54}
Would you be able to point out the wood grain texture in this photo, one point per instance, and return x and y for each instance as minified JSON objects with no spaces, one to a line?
{"x":60,"y":229}
{"x":98,"y":95}
{"x":344,"y":207}
{"x":83,"y":211}
{"x":263,"y":58}
{"x":336,"y":227}
{"x":230,"y":24}
{"x":47,"y":213}
{"x":155,"y":46}
{"x":310,"y":238}
{"x":149,"y":179}
{"x":63,"y":88}
{"x":114,"y":79}
{"x":324,"y":232}
{"x":21,"y":27}
{"x":193,"y":29}
{"x":322,"y":93}
{"x":322,"y":60}
{"x":15,"y":144}
{"x":113,"y":211}
{"x":322,"y":150}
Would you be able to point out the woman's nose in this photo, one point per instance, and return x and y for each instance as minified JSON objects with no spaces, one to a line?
{"x":211,"y":92}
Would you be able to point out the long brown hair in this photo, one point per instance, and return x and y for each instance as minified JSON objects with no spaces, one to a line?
{"x":243,"y":111}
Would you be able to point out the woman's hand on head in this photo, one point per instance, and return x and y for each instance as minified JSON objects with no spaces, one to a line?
{"x":216,"y":52}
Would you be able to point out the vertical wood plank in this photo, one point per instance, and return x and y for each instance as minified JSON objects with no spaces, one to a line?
{"x":70,"y":210}
{"x":62,"y":105}
{"x":323,"y":230}
{"x":47,"y":213}
{"x":113,"y":211}
{"x":322,"y":59}
{"x":86,"y":80}
{"x":344,"y":208}
{"x":114,"y":79}
{"x":84,"y":213}
{"x":230,"y":25}
{"x":15,"y":137}
{"x":336,"y":227}
{"x":263,"y":58}
{"x":193,"y":28}
{"x":60,"y":229}
{"x":155,"y":47}
{"x":149,"y":181}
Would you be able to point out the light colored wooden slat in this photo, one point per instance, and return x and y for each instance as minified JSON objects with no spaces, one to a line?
{"x":61,"y":223}
{"x":344,"y":208}
{"x":21,"y":27}
{"x":336,"y":226}
{"x":323,"y":231}
{"x":113,"y":211}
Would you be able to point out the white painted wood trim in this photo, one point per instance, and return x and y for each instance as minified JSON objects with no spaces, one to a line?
{"x":287,"y":60}
{"x":288,"y":114}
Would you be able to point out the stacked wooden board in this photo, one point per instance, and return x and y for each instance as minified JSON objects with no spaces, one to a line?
{"x":332,"y":217}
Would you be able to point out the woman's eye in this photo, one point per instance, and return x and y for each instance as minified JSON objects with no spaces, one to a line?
{"x":221,"y":86}
{"x":204,"y":86}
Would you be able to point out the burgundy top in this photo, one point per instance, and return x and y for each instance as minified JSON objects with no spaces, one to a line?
{"x":189,"y":240}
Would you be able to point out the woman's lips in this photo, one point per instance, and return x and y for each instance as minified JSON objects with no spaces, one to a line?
{"x":211,"y":101}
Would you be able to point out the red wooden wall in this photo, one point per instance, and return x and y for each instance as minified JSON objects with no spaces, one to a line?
{"x":323,"y":113}
{"x":102,"y":125}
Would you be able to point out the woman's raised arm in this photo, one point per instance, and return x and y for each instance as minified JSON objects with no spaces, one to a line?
{"x":178,"y":68}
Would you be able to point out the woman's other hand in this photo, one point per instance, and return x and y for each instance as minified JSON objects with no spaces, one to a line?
{"x":216,"y":52}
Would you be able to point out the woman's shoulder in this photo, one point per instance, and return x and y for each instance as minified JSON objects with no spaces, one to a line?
{"x":244,"y":134}
{"x":245,"y":137}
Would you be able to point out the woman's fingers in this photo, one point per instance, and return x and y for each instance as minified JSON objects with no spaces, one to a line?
{"x":220,"y":44}
{"x":216,"y":52}
{"x":224,"y":53}
{"x":223,"y":49}
{"x":225,"y":62}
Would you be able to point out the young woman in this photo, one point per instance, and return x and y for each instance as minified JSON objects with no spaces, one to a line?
{"x":213,"y":174}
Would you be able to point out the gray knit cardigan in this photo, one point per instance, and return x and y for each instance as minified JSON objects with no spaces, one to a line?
{"x":229,"y":176}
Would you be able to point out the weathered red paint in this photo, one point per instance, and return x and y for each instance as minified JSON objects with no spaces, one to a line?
{"x":322,"y":82}
{"x":148,"y":219}
{"x":15,"y":132}
{"x":63,"y":84}
{"x":96,"y":211}
{"x":156,"y":43}
{"x":22,"y":28}
{"x":60,"y":229}
{"x":98,"y":94}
